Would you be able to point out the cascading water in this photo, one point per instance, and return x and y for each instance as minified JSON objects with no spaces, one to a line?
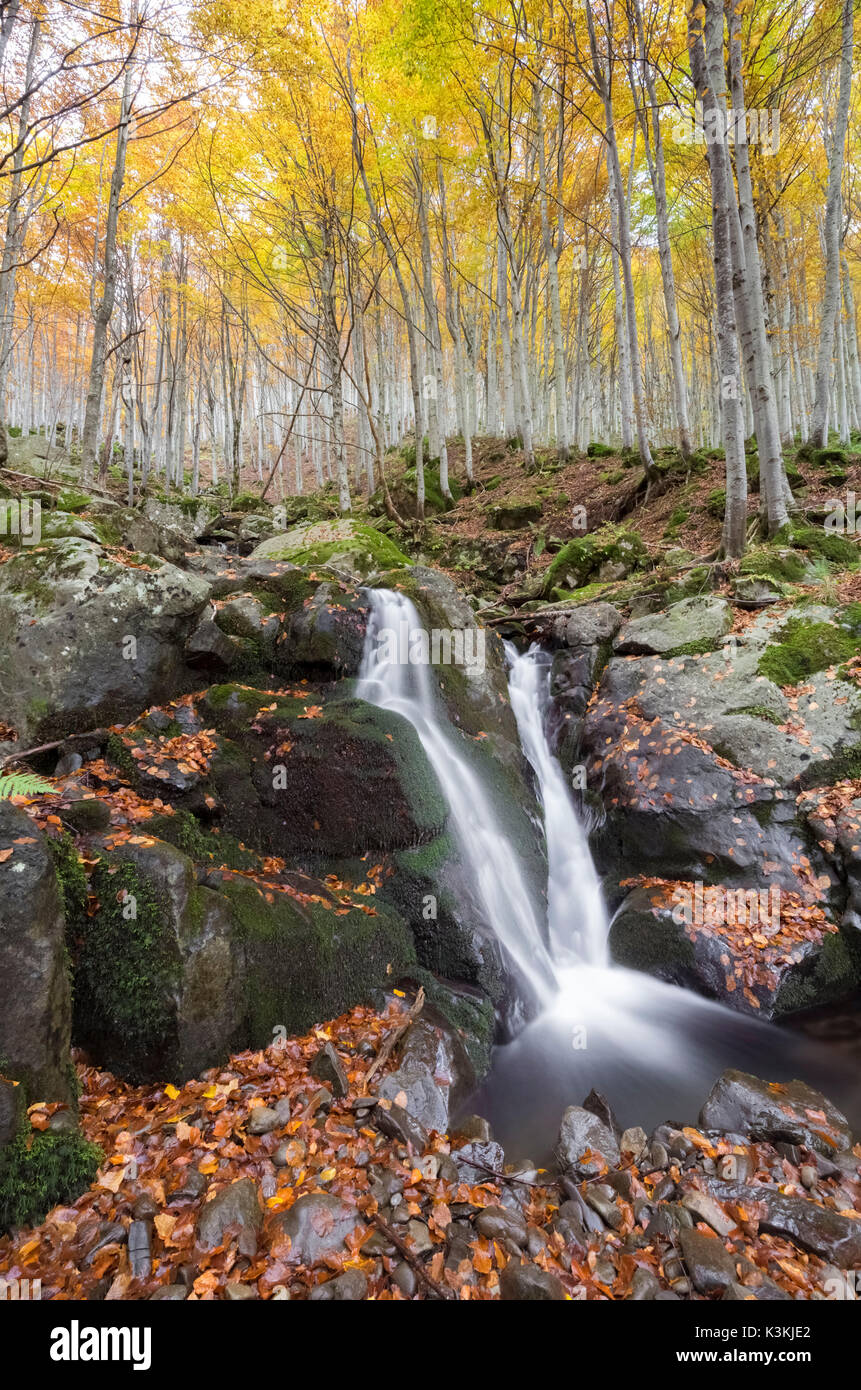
{"x":575,"y":907}
{"x":654,"y":1049}
{"x":408,"y":688}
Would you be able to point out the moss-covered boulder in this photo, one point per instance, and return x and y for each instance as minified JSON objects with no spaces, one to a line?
{"x":582,"y":559}
{"x":352,"y":546}
{"x":158,"y":975}
{"x":86,"y":638}
{"x":39,"y":1171}
{"x":335,"y":776}
{"x":35,"y":1004}
{"x":306,"y":957}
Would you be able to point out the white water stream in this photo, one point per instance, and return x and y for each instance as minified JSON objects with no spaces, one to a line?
{"x":653,"y":1048}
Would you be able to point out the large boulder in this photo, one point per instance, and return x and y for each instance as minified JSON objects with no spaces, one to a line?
{"x":35,"y":1009}
{"x":340,"y":777}
{"x":159,"y":971}
{"x":790,"y":1112}
{"x":698,"y":622}
{"x":318,"y":1225}
{"x":59,"y":671}
{"x":351,"y":546}
{"x":764,"y":954}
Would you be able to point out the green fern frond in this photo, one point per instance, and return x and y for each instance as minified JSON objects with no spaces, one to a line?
{"x":22,"y":784}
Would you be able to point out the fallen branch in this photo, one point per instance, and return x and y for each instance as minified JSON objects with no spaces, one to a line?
{"x":438,"y":1290}
{"x":394,"y":1038}
{"x":46,"y":747}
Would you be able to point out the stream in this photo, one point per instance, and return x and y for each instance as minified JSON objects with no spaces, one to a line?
{"x":653,"y":1049}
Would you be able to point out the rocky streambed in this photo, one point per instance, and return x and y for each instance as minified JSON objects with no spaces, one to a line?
{"x":231,"y":846}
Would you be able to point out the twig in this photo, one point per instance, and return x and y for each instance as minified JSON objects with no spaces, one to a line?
{"x":46,"y":747}
{"x":412,"y":1260}
{"x":394,"y":1038}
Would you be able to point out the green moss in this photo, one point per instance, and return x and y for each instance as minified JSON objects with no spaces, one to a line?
{"x":676,"y":519}
{"x":845,"y":765}
{"x":716,"y":502}
{"x":305,"y":963}
{"x":769,"y":562}
{"x":834,"y":973}
{"x":72,"y":883}
{"x":757,"y":712}
{"x":127,"y":972}
{"x":184,"y":831}
{"x":580,"y":559}
{"x":805,"y":648}
{"x":40,"y":1174}
{"x":322,"y":542}
{"x":118,"y":754}
{"x":839,"y":550}
{"x":600,"y":451}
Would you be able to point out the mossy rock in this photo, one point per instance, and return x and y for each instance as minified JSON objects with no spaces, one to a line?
{"x":306,"y":962}
{"x":837,"y":549}
{"x":580,"y":559}
{"x":341,"y":777}
{"x":351,"y":545}
{"x":600,"y":451}
{"x":773,"y":562}
{"x":716,"y":502}
{"x":805,"y":647}
{"x":42,"y":1171}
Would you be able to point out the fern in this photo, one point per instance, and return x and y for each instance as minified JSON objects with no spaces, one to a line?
{"x":22,"y":784}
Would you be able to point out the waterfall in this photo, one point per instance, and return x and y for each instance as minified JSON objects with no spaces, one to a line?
{"x":387,"y":678}
{"x":575,"y":906}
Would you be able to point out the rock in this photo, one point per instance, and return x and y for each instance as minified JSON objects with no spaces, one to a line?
{"x":169,"y":1293}
{"x":140,"y":1249}
{"x":514,"y":513}
{"x":692,"y":620}
{"x":743,"y":1104}
{"x":35,"y":1018}
{"x":328,"y":1067}
{"x":349,"y":546}
{"x":240,"y":1293}
{"x":394,"y":1121}
{"x":497,"y":1223}
{"x":318,"y":1225}
{"x":264,"y":1119}
{"x":350,"y":777}
{"x":236,"y":1208}
{"x":209,"y":648}
{"x":419,"y":1237}
{"x":159,"y":984}
{"x":705,"y":1208}
{"x":634,"y":1142}
{"x":644,"y":1285}
{"x":326,"y":636}
{"x":750,"y":592}
{"x":582,"y":1133}
{"x":58,"y":672}
{"x":404,"y":1278}
{"x":667,"y":933}
{"x":472,"y":1127}
{"x":351,"y":1286}
{"x":820,"y":1230}
{"x":413,"y":1087}
{"x":528,"y":1283}
{"x":476,"y":1162}
{"x":12,"y":1110}
{"x":709,"y":1264}
{"x":89,"y":816}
